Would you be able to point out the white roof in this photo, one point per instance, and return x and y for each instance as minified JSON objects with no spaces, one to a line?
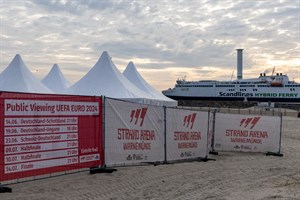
{"x":56,"y":81}
{"x":135,"y":77}
{"x":18,"y":78}
{"x":105,"y":79}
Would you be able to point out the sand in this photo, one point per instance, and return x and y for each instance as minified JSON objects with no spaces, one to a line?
{"x":231,"y":176}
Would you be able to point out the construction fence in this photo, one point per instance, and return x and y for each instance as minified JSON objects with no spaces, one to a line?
{"x":42,"y":135}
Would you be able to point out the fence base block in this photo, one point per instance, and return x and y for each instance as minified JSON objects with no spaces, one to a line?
{"x":274,"y":154}
{"x":4,"y":189}
{"x":206,"y":159}
{"x":154,"y":163}
{"x":213,"y":153}
{"x":102,"y":169}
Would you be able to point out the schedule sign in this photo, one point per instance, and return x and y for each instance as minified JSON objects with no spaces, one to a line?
{"x":48,"y":133}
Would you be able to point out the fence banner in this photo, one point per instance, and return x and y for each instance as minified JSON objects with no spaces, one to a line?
{"x":42,"y":134}
{"x":134,"y":133}
{"x":186,"y":134}
{"x":247,"y":133}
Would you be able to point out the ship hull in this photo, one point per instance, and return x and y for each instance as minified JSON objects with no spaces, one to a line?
{"x":234,"y":99}
{"x":235,"y":92}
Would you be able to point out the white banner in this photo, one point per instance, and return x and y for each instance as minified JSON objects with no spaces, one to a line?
{"x":28,"y":121}
{"x":134,"y":133}
{"x":31,"y":130}
{"x":186,"y":134}
{"x":20,"y":167}
{"x":247,"y":133}
{"x":14,"y":107}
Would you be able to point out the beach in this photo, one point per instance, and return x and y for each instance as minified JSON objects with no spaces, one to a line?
{"x":230,"y":176}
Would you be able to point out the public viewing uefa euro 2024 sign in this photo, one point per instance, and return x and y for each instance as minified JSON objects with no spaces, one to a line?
{"x":43,"y":134}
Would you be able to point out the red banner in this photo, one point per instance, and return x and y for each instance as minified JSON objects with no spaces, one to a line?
{"x":42,"y":134}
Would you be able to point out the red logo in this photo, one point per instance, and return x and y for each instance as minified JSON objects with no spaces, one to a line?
{"x":138,"y":114}
{"x":247,"y":121}
{"x":189,"y":119}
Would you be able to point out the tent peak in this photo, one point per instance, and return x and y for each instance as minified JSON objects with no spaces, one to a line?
{"x":55,"y":68}
{"x":55,"y":80}
{"x":105,"y":55}
{"x":17,"y":58}
{"x":131,"y":66}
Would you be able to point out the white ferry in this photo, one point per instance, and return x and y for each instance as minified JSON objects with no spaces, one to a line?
{"x":275,"y":88}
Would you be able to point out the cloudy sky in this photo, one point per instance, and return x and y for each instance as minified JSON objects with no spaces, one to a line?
{"x":166,"y":39}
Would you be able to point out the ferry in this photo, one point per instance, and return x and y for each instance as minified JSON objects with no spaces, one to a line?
{"x":266,"y":88}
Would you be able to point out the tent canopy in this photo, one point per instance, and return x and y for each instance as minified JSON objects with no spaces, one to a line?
{"x":56,"y":81}
{"x":132,"y":74}
{"x":105,"y":79}
{"x":18,"y":78}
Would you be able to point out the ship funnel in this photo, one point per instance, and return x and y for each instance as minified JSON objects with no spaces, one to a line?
{"x":239,"y":63}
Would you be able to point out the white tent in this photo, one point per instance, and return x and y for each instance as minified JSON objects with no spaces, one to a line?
{"x":56,"y":81}
{"x":105,"y":79}
{"x":135,"y":77}
{"x":18,"y":78}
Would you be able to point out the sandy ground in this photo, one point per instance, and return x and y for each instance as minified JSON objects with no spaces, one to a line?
{"x":231,"y":176}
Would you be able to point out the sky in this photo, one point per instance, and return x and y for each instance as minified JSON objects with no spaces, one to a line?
{"x":165,"y":39}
